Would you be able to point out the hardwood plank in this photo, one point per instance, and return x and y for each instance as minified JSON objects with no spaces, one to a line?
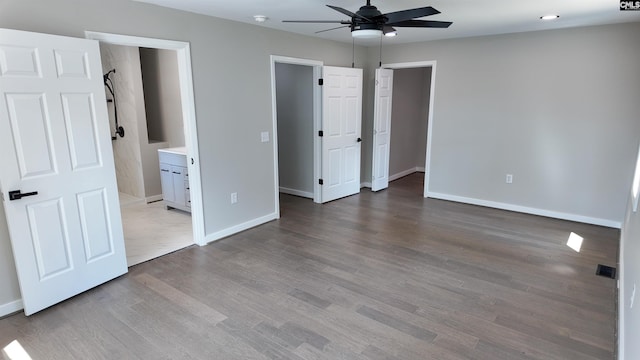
{"x":387,"y":275}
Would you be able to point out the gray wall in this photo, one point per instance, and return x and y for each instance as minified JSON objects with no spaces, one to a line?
{"x":409,"y":119}
{"x":232,"y":87}
{"x":162,"y":96}
{"x":9,"y":289}
{"x":294,"y":97}
{"x":557,"y":109}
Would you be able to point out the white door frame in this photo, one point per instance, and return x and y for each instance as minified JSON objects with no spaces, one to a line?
{"x":183,"y":51}
{"x":432,"y":65}
{"x":317,"y":124}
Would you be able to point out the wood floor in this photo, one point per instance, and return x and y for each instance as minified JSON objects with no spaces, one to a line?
{"x":374,"y":276}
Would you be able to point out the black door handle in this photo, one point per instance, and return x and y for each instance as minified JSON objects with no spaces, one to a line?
{"x":359,"y":140}
{"x":17,"y":195}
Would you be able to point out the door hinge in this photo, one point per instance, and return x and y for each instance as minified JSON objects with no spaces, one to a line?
{"x":320,"y":82}
{"x":320,"y":133}
{"x":320,"y":181}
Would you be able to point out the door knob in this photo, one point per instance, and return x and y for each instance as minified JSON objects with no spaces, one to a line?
{"x":17,"y":195}
{"x":359,"y":140}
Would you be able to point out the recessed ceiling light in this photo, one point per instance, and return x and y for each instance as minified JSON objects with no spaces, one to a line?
{"x":549,"y":17}
{"x":260,"y":18}
{"x":391,"y":33}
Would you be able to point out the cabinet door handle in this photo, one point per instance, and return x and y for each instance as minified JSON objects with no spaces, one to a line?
{"x":165,"y":170}
{"x":175,"y":172}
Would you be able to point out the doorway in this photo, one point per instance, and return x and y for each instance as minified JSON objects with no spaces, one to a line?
{"x":296,"y":122}
{"x":150,"y":229}
{"x":412,"y":119}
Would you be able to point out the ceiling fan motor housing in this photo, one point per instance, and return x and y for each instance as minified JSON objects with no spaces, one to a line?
{"x":369,"y":12}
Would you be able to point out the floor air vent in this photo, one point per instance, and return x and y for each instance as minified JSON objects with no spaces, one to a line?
{"x":606,"y":271}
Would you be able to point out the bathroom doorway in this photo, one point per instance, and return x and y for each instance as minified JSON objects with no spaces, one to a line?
{"x":156,"y":112}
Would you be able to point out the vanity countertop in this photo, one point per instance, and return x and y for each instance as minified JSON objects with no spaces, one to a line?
{"x":176,"y":150}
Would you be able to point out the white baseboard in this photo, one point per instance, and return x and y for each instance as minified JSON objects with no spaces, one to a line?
{"x":365,"y":185}
{"x":153,"y":198}
{"x":11,"y":307}
{"x":404,"y":173}
{"x":527,"y":210}
{"x":295,"y":192}
{"x":238,"y":228}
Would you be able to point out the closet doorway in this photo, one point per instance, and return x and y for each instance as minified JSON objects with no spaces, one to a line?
{"x":411,"y":119}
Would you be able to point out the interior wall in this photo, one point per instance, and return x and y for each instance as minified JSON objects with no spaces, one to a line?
{"x":129,"y":97}
{"x":162,"y":96}
{"x":232,"y":89}
{"x":9,"y":288}
{"x":294,"y":106}
{"x":557,"y":109}
{"x":408,"y":120}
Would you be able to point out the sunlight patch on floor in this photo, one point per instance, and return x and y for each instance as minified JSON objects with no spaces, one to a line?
{"x":15,"y":351}
{"x":575,"y":242}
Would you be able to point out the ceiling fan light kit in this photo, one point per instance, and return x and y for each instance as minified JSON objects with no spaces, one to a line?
{"x":366,"y":33}
{"x":369,"y":22}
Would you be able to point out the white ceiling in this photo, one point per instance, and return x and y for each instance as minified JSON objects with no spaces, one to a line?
{"x":470,"y":17}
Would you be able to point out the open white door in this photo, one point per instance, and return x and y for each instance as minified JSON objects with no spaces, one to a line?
{"x":342,"y":127}
{"x":65,"y":228}
{"x":382,"y":129}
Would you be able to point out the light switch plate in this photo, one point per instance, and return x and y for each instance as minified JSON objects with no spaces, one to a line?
{"x":264,"y":136}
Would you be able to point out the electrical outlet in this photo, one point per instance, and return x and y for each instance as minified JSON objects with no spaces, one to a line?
{"x":633,"y":296}
{"x":264,"y":136}
{"x":234,"y":198}
{"x":509,"y":178}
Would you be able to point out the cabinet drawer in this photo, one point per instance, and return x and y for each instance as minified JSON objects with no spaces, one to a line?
{"x":173,"y":159}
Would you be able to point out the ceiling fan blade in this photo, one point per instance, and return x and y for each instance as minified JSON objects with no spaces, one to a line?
{"x":422,"y":24}
{"x":349,"y":13}
{"x":335,"y":28}
{"x":403,"y":15}
{"x":319,"y":21}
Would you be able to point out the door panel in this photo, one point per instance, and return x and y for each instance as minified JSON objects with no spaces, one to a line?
{"x":50,"y":238}
{"x":31,"y":132}
{"x":67,"y":235}
{"x":341,"y":124}
{"x":382,"y":129}
{"x":80,"y":123}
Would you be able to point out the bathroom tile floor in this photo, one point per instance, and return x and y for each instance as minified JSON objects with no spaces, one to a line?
{"x":150,"y":230}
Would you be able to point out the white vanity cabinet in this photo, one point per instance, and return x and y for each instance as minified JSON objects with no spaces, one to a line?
{"x":174,"y":177}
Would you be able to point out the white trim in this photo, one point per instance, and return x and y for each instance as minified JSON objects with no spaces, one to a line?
{"x":183,"y":51}
{"x":432,"y":65}
{"x":240,"y":227}
{"x":366,"y":184}
{"x":11,"y":307}
{"x":154,"y":198}
{"x":305,"y":194}
{"x":404,"y":173}
{"x":621,"y":297}
{"x":527,"y":210}
{"x":317,"y":124}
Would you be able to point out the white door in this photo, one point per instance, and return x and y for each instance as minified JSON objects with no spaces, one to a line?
{"x":382,"y":129}
{"x":55,"y":140}
{"x":342,"y":128}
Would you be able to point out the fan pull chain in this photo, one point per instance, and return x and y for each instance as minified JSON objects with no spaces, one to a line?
{"x":353,"y":53}
{"x":380,"y":63}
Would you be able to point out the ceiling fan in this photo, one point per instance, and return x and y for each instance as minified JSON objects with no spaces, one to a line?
{"x":369,"y":22}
